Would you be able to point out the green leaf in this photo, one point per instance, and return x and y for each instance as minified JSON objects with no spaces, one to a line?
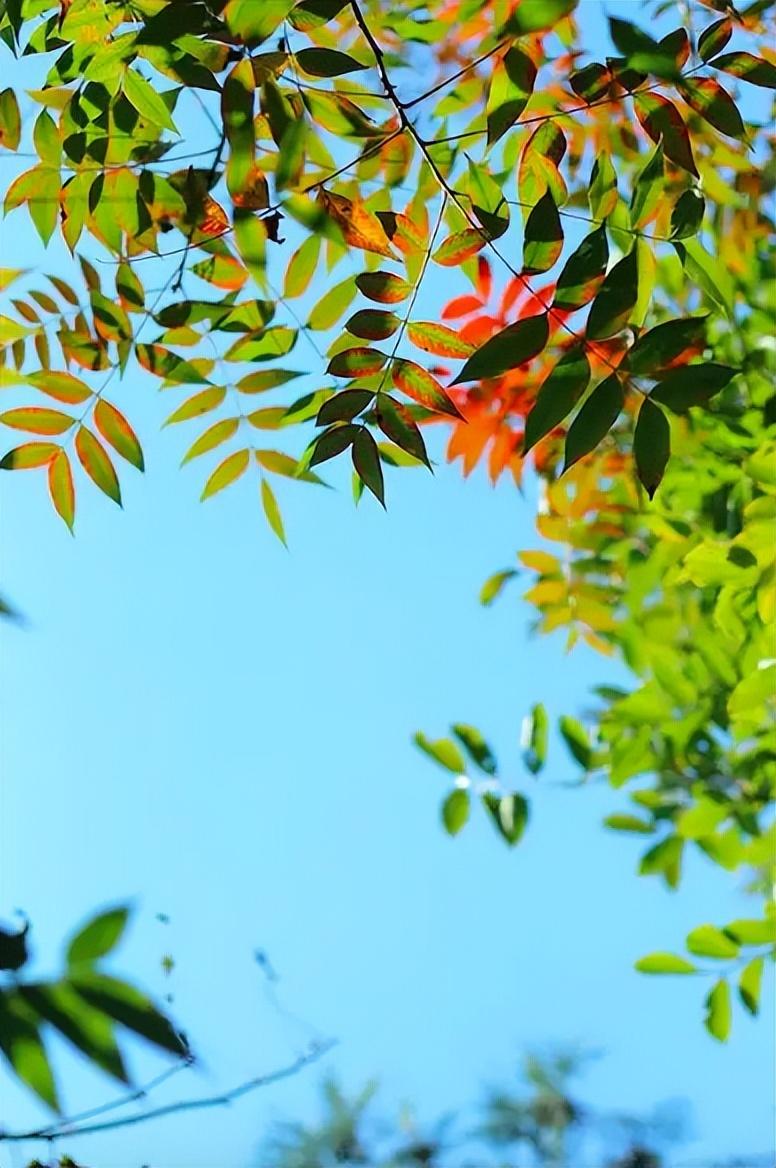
{"x":708,"y":273}
{"x":692,"y":385}
{"x":396,"y":422}
{"x":648,"y":189}
{"x":533,"y":738}
{"x":88,"y":1030}
{"x":326,"y":62}
{"x":512,"y":347}
{"x":558,"y":394}
{"x":671,"y":343}
{"x":148,"y":103}
{"x":509,"y":814}
{"x":663,"y":122}
{"x":687,"y":215}
{"x":98,"y":937}
{"x":21,"y":1044}
{"x":617,"y":297}
{"x":214,"y":436}
{"x":272,"y":511}
{"x":583,"y":272}
{"x":664,"y":859}
{"x":253,"y":22}
{"x":333,"y":442}
{"x":709,"y":941}
{"x":344,"y":407}
{"x":443,"y":751}
{"x":511,"y":86}
{"x":714,"y":38}
{"x":602,"y":192}
{"x":719,"y":1017}
{"x":13,"y":948}
{"x":753,"y":932}
{"x":629,"y":823}
{"x":594,"y":421}
{"x":591,"y":83}
{"x":537,"y":15}
{"x":10,"y":120}
{"x":749,"y":985}
{"x":651,"y":445}
{"x":749,"y":68}
{"x":664,"y":963}
{"x":576,"y":738}
{"x":366,"y":462}
{"x":233,"y":466}
{"x":200,"y":403}
{"x":61,"y":489}
{"x":455,"y":811}
{"x":707,"y":97}
{"x":543,"y":238}
{"x":494,"y":584}
{"x":476,"y":747}
{"x":373,"y":324}
{"x":130,"y":1008}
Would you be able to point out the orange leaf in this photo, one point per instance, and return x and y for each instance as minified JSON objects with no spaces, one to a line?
{"x":360,"y":227}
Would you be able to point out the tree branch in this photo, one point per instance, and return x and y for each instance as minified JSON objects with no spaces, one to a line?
{"x":315,"y":1051}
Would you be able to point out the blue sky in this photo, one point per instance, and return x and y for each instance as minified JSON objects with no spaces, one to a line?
{"x":219,"y":730}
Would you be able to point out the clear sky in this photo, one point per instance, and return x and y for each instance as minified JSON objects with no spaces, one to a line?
{"x":219,"y":730}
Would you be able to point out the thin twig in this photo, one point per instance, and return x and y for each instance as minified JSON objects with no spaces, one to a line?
{"x":314,"y":1052}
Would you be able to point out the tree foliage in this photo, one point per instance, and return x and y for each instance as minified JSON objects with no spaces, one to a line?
{"x":210,"y":165}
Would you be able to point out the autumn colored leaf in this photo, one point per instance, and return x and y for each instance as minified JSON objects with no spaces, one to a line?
{"x":358,"y":362}
{"x":749,"y":68}
{"x":663,"y":122}
{"x":37,"y":420}
{"x":371,"y":324}
{"x":419,"y":384}
{"x":360,"y":227}
{"x":30,"y":456}
{"x":543,"y":236}
{"x":97,"y":464}
{"x":116,"y":430}
{"x":437,"y":339}
{"x":383,"y":287}
{"x":61,"y":488}
{"x":396,"y":423}
{"x":226,"y":473}
{"x":459,"y":247}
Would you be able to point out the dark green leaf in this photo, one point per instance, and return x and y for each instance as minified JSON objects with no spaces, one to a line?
{"x":130,"y":1008}
{"x":87,"y":1029}
{"x":326,"y":62}
{"x":543,"y":238}
{"x":558,"y":395}
{"x":583,"y":272}
{"x":667,"y":344}
{"x":397,"y":423}
{"x":714,"y":38}
{"x":332,"y":442}
{"x":344,"y":406}
{"x":749,"y":68}
{"x":533,"y":738}
{"x":476,"y":747}
{"x":692,"y":385}
{"x":687,"y":215}
{"x":651,"y":445}
{"x":366,"y":461}
{"x":594,"y":420}
{"x":509,"y":813}
{"x":617,"y":297}
{"x":510,"y":348}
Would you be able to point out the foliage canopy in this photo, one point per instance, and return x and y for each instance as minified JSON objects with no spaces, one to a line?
{"x":611,"y":328}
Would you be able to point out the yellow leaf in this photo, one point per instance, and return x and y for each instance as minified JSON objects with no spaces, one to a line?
{"x":360,"y":228}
